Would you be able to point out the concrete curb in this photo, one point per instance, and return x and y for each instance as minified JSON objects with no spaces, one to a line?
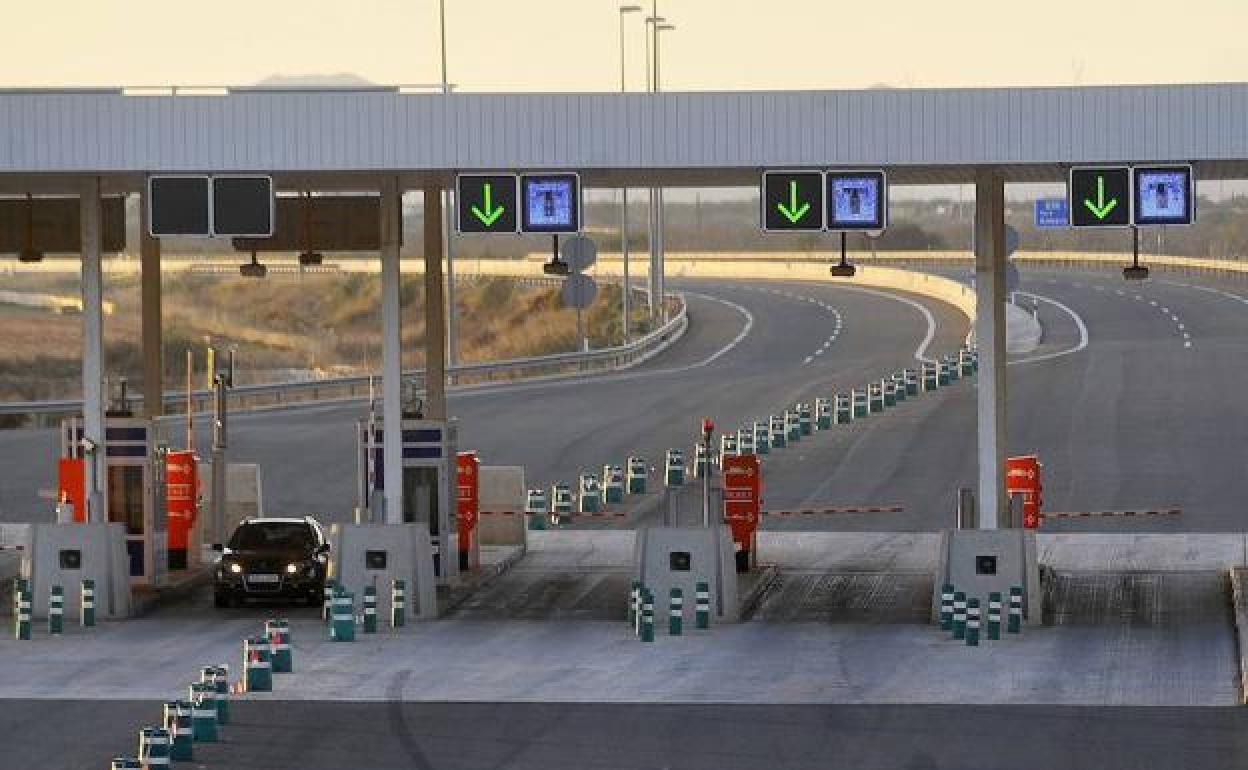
{"x":1239,"y":614}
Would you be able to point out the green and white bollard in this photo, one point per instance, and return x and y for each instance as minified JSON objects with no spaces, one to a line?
{"x":952,"y":363}
{"x":964,"y":363}
{"x":778,"y":435}
{"x":219,"y":678}
{"x":589,"y":494}
{"x":634,"y":602}
{"x":86,"y":604}
{"x":899,"y":385}
{"x":647,"y":616}
{"x":946,"y":607}
{"x":278,"y":632}
{"x":154,"y":748}
{"x":561,"y":499}
{"x":56,"y":611}
{"x":972,"y":623}
{"x":676,"y":613}
{"x":636,"y":476}
{"x":876,"y":404}
{"x":745,"y":441}
{"x":342,"y":627}
{"x":1014,"y":624}
{"x":370,"y":610}
{"x":844,"y":409}
{"x":994,"y":615}
{"x":762,"y":439}
{"x":823,"y":414}
{"x":792,"y":426}
{"x":674,"y":468}
{"x":931,"y":380}
{"x":701,"y":461}
{"x":959,"y":615}
{"x":887,"y":393}
{"x":536,"y":508}
{"x":327,"y":609}
{"x":804,"y":419}
{"x":702,"y":606}
{"x":398,"y":604}
{"x":257,"y":665}
{"x":203,"y":712}
{"x":912,"y":382}
{"x":21,"y":624}
{"x":612,"y":484}
{"x":178,"y":724}
{"x":860,"y":404}
{"x":125,"y":763}
{"x":942,"y":377}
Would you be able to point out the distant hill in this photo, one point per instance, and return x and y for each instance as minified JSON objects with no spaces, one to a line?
{"x":340,"y":79}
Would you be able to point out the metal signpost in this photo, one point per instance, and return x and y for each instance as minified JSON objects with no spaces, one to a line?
{"x":578,"y":291}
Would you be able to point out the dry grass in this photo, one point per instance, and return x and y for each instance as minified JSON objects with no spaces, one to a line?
{"x":319,"y":323}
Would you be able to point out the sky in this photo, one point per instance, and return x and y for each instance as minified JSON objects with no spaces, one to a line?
{"x":573,"y":45}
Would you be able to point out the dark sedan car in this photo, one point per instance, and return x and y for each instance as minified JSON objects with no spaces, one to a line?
{"x":272,"y":558}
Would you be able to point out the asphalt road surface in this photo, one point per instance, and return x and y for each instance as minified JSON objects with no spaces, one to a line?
{"x":331,"y":735}
{"x":1131,"y":404}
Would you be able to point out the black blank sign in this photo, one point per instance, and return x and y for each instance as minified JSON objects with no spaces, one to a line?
{"x":242,"y":206}
{"x":178,"y":206}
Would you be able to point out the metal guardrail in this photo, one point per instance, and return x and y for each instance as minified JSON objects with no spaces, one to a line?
{"x":357,"y":387}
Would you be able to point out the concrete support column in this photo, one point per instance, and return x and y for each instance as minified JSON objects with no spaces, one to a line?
{"x":435,"y":309}
{"x":391,"y":342}
{"x":153,"y":341}
{"x":990,"y":336}
{"x":93,"y":393}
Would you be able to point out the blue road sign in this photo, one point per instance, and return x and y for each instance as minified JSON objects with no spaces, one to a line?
{"x":1052,"y":212}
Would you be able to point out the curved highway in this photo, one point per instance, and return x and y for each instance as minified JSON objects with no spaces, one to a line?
{"x":1130,"y":402}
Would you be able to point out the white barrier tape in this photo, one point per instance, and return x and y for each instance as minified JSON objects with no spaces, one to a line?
{"x":1088,"y":514}
{"x":840,"y":509}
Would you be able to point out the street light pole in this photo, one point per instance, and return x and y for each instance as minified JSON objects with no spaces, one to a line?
{"x":654,"y":215}
{"x":625,"y":310}
{"x":452,"y":346}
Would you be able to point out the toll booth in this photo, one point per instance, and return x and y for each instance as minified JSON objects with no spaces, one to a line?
{"x":429,"y":482}
{"x":135,"y":468}
{"x":743,"y":499}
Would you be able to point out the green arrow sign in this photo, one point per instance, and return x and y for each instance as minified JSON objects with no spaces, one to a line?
{"x":1102,"y":207}
{"x":793,"y":212}
{"x":491,"y":213}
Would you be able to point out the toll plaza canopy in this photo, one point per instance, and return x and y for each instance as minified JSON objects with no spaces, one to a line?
{"x":722,"y":138}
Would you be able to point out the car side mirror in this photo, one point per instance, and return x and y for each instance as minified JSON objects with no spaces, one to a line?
{"x":218,"y":547}
{"x":323,"y":548}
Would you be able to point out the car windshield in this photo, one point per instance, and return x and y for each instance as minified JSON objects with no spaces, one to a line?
{"x":272,"y":535}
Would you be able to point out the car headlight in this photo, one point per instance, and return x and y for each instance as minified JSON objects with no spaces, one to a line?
{"x":236,"y":568}
{"x":292,"y":568}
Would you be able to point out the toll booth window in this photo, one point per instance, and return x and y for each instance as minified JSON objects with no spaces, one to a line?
{"x":679,"y":561}
{"x":420,"y":496}
{"x":125,"y":497}
{"x":985,"y":565}
{"x":375,"y":559}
